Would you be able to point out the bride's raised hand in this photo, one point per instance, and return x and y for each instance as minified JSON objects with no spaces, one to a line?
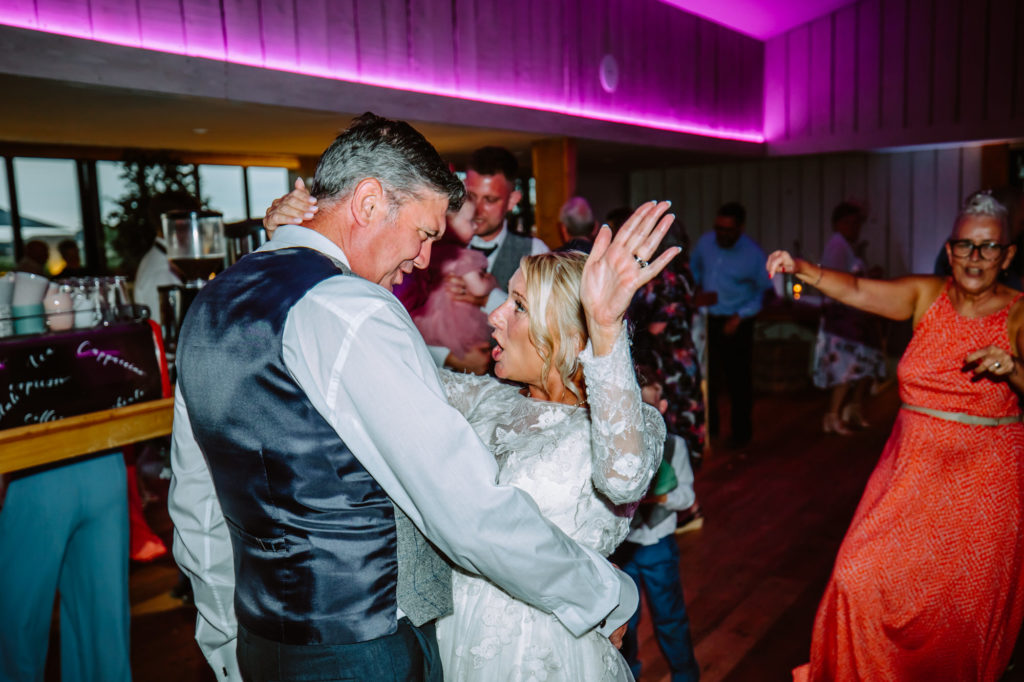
{"x":617,"y":267}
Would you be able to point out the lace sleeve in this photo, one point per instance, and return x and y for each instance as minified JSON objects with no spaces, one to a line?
{"x":627,"y":436}
{"x":464,"y":391}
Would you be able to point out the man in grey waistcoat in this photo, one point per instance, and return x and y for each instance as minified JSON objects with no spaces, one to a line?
{"x":314,"y":455}
{"x":491,"y":188}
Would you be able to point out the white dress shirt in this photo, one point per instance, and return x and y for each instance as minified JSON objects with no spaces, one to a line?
{"x":353,"y":349}
{"x":154,"y":271}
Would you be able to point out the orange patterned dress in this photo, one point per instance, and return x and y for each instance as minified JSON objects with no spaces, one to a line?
{"x":928,"y":581}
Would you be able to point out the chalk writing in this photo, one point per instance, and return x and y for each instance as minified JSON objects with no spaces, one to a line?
{"x":85,"y":349}
{"x":9,"y":402}
{"x":45,"y":416}
{"x":36,"y":360}
{"x":136,"y":395}
{"x":30,"y":385}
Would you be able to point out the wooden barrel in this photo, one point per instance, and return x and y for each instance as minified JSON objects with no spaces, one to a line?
{"x":782,"y":364}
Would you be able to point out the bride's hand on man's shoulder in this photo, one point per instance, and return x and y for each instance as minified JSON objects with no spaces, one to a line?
{"x":291,"y":209}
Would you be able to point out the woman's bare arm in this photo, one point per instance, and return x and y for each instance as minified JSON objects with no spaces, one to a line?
{"x":897,"y":299}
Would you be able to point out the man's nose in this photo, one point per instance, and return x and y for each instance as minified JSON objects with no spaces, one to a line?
{"x":423,"y":257}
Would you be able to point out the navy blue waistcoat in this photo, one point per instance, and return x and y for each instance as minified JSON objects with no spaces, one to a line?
{"x":313,"y":533}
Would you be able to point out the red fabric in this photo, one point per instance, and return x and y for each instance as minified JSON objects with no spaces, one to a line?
{"x":165,"y":377}
{"x":927,"y":583}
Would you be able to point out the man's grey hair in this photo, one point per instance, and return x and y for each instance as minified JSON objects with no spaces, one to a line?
{"x":577,"y":217}
{"x":394,"y":153}
{"x":983,"y":204}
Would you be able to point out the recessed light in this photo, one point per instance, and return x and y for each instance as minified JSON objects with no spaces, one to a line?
{"x":199,"y":131}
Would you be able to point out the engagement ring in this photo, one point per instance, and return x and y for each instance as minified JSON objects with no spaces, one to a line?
{"x":640,"y":261}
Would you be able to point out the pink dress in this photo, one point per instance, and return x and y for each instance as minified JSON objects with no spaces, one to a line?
{"x":456,"y":325}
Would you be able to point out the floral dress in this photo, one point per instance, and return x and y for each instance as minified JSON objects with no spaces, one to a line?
{"x":671,"y":353}
{"x":585,"y":468}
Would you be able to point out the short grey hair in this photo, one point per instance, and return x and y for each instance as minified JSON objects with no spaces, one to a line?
{"x":983,"y":204}
{"x":392,"y":152}
{"x":577,"y":217}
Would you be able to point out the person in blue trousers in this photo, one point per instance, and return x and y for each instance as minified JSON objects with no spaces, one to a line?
{"x":65,"y":528}
{"x":650,"y":556}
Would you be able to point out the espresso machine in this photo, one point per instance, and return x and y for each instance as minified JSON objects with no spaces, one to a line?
{"x":196,"y":247}
{"x":243,"y":238}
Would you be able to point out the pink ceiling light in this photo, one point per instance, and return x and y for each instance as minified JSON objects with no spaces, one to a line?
{"x":111,"y":28}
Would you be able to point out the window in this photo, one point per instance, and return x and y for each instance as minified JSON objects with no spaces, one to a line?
{"x":265,"y":185}
{"x":48,"y":204}
{"x":223,"y":189}
{"x":6,"y":227}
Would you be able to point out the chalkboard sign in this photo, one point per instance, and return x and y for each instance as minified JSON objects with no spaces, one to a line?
{"x":52,"y":376}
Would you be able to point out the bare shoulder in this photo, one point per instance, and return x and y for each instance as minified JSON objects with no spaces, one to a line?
{"x":926,"y":288}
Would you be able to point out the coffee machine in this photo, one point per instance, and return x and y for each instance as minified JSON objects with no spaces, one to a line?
{"x":197,"y":248}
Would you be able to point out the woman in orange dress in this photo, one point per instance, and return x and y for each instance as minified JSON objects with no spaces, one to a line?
{"x":927,"y":583}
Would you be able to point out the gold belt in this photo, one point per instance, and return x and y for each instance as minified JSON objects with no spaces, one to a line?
{"x":965,"y":418}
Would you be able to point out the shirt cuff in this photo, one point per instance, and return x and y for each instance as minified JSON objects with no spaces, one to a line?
{"x":629,"y":601}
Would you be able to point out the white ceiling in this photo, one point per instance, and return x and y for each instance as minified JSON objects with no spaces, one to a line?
{"x":761,"y":19}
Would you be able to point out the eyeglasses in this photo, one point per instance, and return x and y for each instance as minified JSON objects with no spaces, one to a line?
{"x":965,"y":248}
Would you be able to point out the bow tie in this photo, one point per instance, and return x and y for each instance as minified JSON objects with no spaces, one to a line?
{"x":486,"y":250}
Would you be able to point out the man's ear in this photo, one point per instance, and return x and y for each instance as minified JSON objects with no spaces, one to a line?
{"x":368,"y":202}
{"x":513,"y":200}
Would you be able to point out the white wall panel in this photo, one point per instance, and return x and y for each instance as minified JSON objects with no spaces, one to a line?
{"x":912,"y":199}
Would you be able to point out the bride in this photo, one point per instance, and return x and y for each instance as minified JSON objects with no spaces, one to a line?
{"x":573,"y":432}
{"x":566,"y":423}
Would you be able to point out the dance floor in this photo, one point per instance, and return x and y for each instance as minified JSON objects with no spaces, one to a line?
{"x":775,"y":515}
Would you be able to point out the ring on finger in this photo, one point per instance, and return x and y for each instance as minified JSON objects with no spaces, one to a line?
{"x":996,"y":364}
{"x":640,"y":261}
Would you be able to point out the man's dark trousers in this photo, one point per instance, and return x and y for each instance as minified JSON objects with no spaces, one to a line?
{"x":730,"y":361}
{"x":408,"y":655}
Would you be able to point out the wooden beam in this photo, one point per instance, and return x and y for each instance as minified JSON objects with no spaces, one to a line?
{"x":554,"y":169}
{"x":37,"y":444}
{"x":995,"y":166}
{"x":72,"y":151}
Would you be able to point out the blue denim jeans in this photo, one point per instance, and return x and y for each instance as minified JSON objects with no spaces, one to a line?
{"x":655,"y":570}
{"x":408,"y":655}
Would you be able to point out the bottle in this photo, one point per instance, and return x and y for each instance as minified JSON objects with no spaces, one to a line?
{"x":59,"y":308}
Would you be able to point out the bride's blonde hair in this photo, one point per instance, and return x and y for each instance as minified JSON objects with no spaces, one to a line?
{"x":558,"y":327}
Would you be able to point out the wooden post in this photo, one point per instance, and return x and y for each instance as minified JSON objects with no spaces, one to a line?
{"x":995,"y":166}
{"x":554,"y":170}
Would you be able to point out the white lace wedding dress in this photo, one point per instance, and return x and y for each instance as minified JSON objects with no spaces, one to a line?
{"x":583,"y":467}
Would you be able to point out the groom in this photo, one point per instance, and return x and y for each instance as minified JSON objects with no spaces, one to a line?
{"x":311,"y":429}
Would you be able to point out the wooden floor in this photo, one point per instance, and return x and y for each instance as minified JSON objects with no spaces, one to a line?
{"x":775,"y":515}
